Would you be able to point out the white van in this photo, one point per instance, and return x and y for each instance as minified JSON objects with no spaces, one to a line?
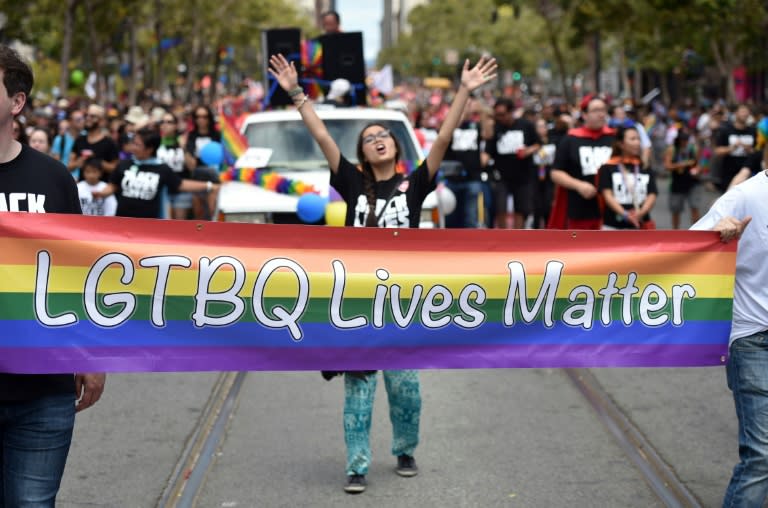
{"x":296,"y":156}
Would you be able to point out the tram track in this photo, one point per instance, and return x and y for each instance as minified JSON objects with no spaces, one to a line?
{"x":198,"y":456}
{"x":659,"y":476}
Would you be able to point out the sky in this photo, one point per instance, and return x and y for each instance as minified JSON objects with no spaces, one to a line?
{"x":363,"y":16}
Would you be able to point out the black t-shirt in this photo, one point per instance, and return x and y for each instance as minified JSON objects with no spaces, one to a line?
{"x":507,"y":140}
{"x":755,"y":162}
{"x":105,"y":149}
{"x":465,"y":148}
{"x":400,"y":197}
{"x":738,"y":158}
{"x":196,"y":142}
{"x":683,"y":181}
{"x":631,"y":186}
{"x":581,"y":156}
{"x":139,"y":187}
{"x":46,"y":187}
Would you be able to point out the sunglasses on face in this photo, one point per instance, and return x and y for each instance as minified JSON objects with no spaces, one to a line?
{"x":201,"y":116}
{"x":372,"y":138}
{"x":169,"y":120}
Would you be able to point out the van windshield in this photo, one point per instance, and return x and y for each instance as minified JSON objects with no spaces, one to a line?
{"x":292,"y":145}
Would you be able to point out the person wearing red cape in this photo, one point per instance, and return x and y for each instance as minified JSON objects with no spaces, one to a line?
{"x":577,"y":161}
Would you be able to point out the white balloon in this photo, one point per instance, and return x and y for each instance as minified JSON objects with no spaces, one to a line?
{"x":446,"y":199}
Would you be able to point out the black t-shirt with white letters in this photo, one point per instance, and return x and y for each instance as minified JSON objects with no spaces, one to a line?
{"x":36,"y":183}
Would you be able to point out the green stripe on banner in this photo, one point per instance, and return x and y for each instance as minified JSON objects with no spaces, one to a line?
{"x":20,"y":306}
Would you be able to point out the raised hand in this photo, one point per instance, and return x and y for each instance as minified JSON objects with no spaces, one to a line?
{"x":284,"y":72}
{"x":480,"y":74}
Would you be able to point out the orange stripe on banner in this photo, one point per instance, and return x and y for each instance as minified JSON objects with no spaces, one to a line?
{"x":81,"y":253}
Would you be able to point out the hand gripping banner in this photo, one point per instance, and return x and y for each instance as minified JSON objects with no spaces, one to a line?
{"x":89,"y":294}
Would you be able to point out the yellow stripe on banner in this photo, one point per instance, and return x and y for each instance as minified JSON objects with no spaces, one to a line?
{"x":181,"y":282}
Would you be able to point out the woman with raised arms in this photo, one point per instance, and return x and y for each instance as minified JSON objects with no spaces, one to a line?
{"x":378,"y":196}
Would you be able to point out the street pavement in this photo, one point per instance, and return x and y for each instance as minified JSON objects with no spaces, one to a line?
{"x":506,"y":438}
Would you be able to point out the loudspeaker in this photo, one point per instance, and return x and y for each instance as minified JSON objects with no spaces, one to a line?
{"x":343,"y":58}
{"x":286,"y":41}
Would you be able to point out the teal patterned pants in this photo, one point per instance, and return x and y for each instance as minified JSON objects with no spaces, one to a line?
{"x":404,"y":412}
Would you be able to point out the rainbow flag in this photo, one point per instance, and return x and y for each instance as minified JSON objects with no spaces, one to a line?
{"x":312,"y":62}
{"x":234,"y":143}
{"x":94,"y":294}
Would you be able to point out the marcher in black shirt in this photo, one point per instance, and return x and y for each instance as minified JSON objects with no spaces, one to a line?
{"x":37,"y":412}
{"x":377,"y":196}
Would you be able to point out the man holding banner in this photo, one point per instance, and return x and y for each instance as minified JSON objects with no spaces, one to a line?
{"x":37,"y":412}
{"x":747,"y":366}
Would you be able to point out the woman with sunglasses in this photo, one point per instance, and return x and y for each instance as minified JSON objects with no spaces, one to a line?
{"x":378,"y":196}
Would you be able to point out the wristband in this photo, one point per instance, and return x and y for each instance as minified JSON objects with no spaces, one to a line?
{"x":625,"y":215}
{"x":208,"y":185}
{"x":293,"y":92}
{"x":302,"y":102}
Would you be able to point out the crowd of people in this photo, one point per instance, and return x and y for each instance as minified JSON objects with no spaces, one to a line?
{"x":510,"y":154}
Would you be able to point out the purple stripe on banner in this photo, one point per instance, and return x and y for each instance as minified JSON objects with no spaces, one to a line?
{"x":161,"y":359}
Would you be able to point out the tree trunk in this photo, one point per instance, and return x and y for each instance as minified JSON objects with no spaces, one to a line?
{"x":214,"y":74}
{"x":725,"y":66}
{"x":159,"y":81}
{"x":94,"y":48}
{"x":66,"y":46}
{"x":133,"y":61}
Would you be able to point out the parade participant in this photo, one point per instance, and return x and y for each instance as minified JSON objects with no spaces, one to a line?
{"x":378,"y":196}
{"x":331,"y":22}
{"x":138,"y":183}
{"x":746,"y":372}
{"x":202,"y":133}
{"x":577,"y":160}
{"x":94,"y":143}
{"x":37,"y":412}
{"x":514,"y":142}
{"x":40,"y":140}
{"x":92,"y":182}
{"x":735,"y":142}
{"x":542,"y":161}
{"x":464,"y":176}
{"x":64,"y":141}
{"x":681,"y":160}
{"x":172,"y":153}
{"x":629,"y":190}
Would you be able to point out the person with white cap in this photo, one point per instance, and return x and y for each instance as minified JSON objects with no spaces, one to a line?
{"x":338,"y":94}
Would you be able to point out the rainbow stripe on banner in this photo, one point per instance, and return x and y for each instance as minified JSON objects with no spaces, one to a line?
{"x":90,"y":294}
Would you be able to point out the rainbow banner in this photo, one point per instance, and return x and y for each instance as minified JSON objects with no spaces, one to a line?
{"x":89,"y":294}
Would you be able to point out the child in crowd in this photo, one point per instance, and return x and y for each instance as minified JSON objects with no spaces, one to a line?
{"x":92,"y":172}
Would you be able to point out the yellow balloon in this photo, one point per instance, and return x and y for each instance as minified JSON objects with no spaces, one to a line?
{"x":336,"y":213}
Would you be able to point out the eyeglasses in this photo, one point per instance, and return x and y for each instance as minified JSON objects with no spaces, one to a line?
{"x":201,"y":116}
{"x":371,"y":138}
{"x":168,"y":120}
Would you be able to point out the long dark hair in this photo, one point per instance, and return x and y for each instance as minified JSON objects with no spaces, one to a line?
{"x":369,"y":180}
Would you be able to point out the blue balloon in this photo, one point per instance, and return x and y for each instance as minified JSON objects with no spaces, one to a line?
{"x":212,"y":153}
{"x":311,"y":208}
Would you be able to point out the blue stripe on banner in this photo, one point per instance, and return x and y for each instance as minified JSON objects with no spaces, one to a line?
{"x":29,"y":334}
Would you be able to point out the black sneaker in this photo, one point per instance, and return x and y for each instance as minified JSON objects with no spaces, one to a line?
{"x":406,"y":466}
{"x":355,"y":484}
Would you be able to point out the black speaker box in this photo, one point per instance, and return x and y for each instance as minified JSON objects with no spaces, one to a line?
{"x":343,"y":58}
{"x":286,"y":41}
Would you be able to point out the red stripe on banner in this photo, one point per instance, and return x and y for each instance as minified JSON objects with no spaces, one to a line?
{"x":129,"y":230}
